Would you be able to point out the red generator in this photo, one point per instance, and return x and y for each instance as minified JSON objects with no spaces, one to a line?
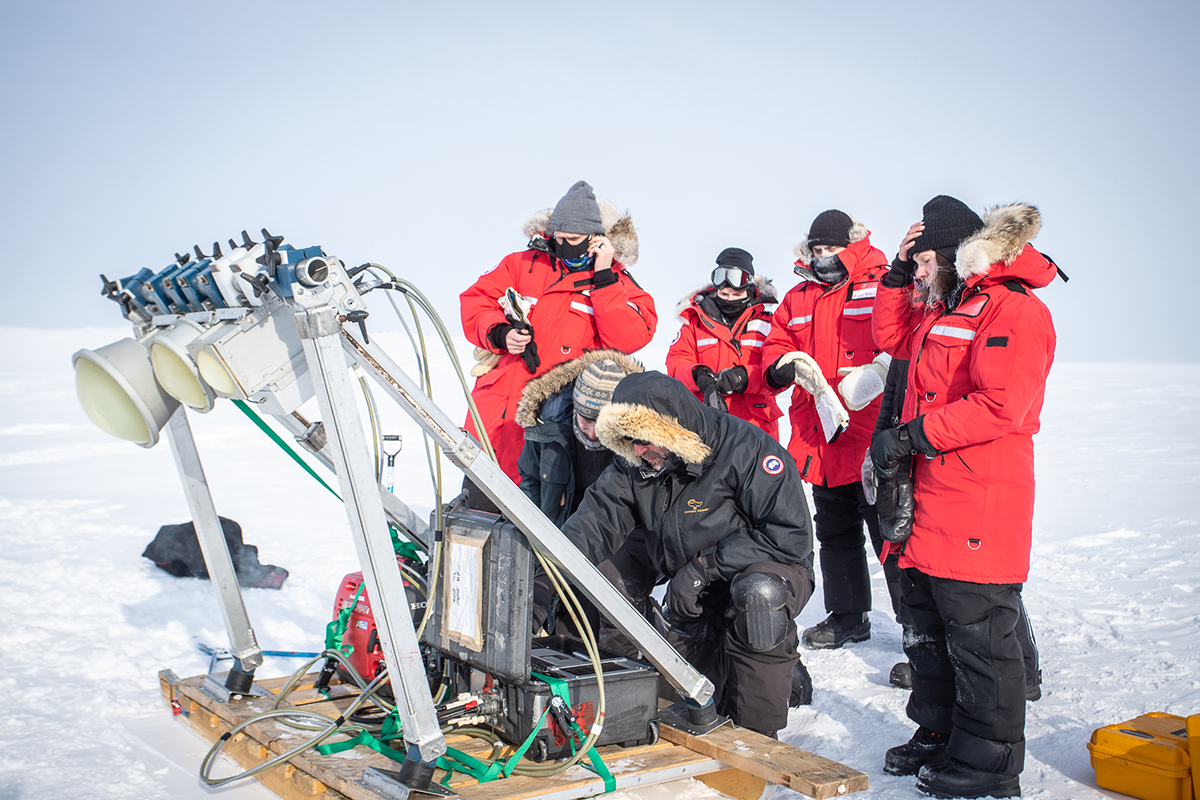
{"x":367,"y":656}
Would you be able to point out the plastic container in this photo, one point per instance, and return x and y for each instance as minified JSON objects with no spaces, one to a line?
{"x":1145,"y":757}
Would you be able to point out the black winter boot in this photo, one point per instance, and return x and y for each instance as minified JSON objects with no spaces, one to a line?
{"x":837,"y":629}
{"x":901,"y":675}
{"x":953,"y":778}
{"x":926,"y":746}
{"x":802,"y":688}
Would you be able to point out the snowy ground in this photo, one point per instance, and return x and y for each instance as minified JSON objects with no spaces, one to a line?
{"x":1114,"y":595}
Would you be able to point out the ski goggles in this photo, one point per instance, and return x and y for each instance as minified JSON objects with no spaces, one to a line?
{"x":733,"y":276}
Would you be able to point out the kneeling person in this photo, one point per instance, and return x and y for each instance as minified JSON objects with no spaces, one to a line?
{"x":725,"y":522}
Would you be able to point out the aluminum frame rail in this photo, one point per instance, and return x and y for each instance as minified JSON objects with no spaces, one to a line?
{"x":347,"y":447}
{"x":242,"y":641}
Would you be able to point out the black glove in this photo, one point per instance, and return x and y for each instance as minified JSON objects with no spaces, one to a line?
{"x":705,"y":378}
{"x":894,"y":500}
{"x":706,"y":384}
{"x":890,"y":445}
{"x":779,"y":377}
{"x":530,"y":354}
{"x":901,"y":273}
{"x":684,"y":590}
{"x":497,"y":335}
{"x":733,"y":380}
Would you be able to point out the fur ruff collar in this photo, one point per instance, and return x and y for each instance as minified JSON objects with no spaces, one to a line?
{"x":618,"y":228}
{"x":802,"y":251}
{"x":545,"y":386}
{"x":620,"y":423}
{"x":1005,"y":232}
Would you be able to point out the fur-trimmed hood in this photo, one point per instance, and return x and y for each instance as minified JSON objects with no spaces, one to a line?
{"x":1005,"y":232}
{"x":803,"y":252}
{"x":764,"y":288}
{"x":618,"y":228}
{"x":658,"y":409}
{"x":545,"y":386}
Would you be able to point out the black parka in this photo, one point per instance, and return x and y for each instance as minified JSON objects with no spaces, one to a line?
{"x":730,"y":493}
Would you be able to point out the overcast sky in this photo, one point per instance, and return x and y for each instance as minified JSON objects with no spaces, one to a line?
{"x":420,"y":135}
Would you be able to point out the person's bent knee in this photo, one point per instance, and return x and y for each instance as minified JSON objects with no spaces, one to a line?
{"x":760,"y":607}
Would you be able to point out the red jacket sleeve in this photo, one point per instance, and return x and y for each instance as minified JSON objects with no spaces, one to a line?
{"x":894,"y":320}
{"x":1009,"y":378}
{"x":779,"y":341}
{"x":480,"y":304}
{"x":625,"y":315}
{"x":682,"y":357}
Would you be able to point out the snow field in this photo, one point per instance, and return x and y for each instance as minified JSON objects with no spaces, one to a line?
{"x":1114,"y":594}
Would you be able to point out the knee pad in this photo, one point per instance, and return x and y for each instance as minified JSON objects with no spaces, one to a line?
{"x":760,"y":608}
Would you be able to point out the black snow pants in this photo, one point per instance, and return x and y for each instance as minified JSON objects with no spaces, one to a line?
{"x":751,"y":685}
{"x":840,"y":514}
{"x":968,"y":671}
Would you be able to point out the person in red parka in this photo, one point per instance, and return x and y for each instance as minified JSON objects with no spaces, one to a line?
{"x":821,"y":340}
{"x":980,"y":346}
{"x":567,"y":292}
{"x":718,"y":351}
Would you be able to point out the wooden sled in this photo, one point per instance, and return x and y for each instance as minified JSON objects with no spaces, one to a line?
{"x":735,"y":761}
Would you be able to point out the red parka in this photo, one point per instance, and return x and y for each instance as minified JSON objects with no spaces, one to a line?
{"x":978,"y":375}
{"x":708,"y":341}
{"x":568,"y":317}
{"x":833,"y":325}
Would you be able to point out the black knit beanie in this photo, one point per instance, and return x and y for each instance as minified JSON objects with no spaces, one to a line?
{"x":736,"y":257}
{"x":830,"y":228}
{"x":947,"y":223}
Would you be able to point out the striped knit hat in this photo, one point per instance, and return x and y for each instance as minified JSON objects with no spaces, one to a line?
{"x":594,"y":387}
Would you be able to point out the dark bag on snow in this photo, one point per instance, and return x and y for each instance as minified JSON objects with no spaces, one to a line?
{"x":894,"y":501}
{"x":176,"y":550}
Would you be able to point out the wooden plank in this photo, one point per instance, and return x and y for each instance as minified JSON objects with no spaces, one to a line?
{"x":735,"y":761}
{"x":646,"y":768}
{"x":799,"y":770}
{"x":168,"y":681}
{"x":284,"y":780}
{"x":734,"y":783}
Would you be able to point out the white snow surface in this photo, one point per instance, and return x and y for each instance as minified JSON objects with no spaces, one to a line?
{"x":1114,"y":593}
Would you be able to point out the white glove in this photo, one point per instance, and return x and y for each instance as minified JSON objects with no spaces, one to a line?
{"x":834,"y":418}
{"x":808,"y":372}
{"x":868,"y":477}
{"x":485,"y":361}
{"x":861,"y":385}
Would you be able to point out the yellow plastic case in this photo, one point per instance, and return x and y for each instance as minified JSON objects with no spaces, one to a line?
{"x":1145,"y":757}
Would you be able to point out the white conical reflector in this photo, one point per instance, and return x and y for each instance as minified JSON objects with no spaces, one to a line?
{"x":117,"y":390}
{"x":175,"y":370}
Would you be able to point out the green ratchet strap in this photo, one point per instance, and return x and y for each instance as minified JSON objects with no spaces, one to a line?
{"x":274,"y":436}
{"x":402,"y":547}
{"x":336,"y":629}
{"x":559,"y":687}
{"x":391,"y":730}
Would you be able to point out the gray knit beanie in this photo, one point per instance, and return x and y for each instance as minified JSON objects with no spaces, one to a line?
{"x":577,"y":211}
{"x":594,"y":387}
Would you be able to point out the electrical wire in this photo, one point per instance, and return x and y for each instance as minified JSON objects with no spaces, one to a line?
{"x":561,"y":585}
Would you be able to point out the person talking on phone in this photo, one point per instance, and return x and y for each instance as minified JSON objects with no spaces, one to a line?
{"x":568,"y":291}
